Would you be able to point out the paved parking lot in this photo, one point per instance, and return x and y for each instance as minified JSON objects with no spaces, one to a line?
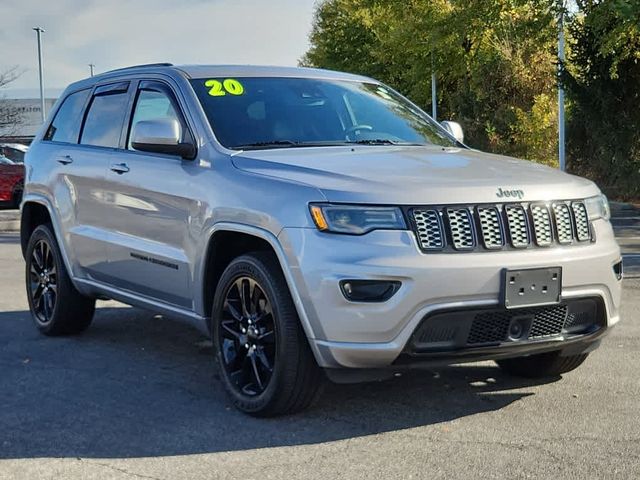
{"x":135,"y":397}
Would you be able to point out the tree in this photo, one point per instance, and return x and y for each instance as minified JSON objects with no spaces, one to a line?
{"x":603,"y":85}
{"x":494,"y":59}
{"x":10,"y":115}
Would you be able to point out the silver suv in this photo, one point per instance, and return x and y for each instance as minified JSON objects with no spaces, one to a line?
{"x":319,"y":223}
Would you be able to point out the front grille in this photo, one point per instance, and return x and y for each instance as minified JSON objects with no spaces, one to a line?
{"x":429,"y":229}
{"x":500,"y":226}
{"x":493,"y":326}
{"x":461,"y":228}
{"x":582,"y":221}
{"x":563,"y":222}
{"x":541,"y":225}
{"x":490,"y":227}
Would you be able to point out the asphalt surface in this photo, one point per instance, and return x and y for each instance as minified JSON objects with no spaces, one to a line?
{"x":136,"y":397}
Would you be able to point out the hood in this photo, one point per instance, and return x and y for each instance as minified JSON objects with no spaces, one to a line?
{"x":399,"y":175}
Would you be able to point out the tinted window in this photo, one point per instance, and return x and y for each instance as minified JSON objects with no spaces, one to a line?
{"x":153,"y":105}
{"x":103,"y":125}
{"x":290,"y":112}
{"x":66,"y":124}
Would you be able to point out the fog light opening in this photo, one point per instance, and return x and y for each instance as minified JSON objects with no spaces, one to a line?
{"x":369,"y":290}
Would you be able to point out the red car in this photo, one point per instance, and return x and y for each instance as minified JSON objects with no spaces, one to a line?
{"x":11,"y":182}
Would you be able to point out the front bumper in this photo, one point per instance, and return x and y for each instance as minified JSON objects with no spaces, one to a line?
{"x":375,"y":335}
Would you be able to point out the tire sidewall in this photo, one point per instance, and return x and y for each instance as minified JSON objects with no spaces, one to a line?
{"x":249,"y":266}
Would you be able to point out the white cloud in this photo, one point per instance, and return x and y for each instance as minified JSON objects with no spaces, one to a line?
{"x":116,"y":33}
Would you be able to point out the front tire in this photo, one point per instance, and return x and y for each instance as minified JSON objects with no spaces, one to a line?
{"x":542,"y":365}
{"x":263,"y":355}
{"x":57,"y":308}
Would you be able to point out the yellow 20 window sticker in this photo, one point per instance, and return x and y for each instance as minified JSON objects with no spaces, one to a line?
{"x":219,"y":88}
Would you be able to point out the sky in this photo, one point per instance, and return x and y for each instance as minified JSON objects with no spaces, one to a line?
{"x":119,"y":33}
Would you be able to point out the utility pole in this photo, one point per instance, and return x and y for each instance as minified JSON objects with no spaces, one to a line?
{"x":91,"y":65}
{"x":434,"y":98}
{"x":561,"y":58}
{"x":39,"y":32}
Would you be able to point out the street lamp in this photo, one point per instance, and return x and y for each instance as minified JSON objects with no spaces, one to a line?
{"x":561,"y":58}
{"x":39,"y":32}
{"x":91,"y":65}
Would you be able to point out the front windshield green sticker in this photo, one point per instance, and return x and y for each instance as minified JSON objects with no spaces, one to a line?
{"x":219,"y":88}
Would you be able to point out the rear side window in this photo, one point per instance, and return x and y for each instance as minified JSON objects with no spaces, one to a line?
{"x":103,"y":124}
{"x":66,"y":124}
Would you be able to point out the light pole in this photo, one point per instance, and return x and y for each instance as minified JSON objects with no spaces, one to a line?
{"x":561,"y":58}
{"x":39,"y":32}
{"x":91,"y":65}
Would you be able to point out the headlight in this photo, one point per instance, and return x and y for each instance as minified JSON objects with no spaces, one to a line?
{"x":356,"y":220}
{"x":598,"y":207}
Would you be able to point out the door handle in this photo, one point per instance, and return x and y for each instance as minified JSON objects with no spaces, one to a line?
{"x":65,"y":160}
{"x":120,"y":168}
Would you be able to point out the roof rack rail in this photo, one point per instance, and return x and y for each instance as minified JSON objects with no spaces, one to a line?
{"x":144,"y":65}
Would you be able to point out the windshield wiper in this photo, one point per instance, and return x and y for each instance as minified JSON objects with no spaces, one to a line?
{"x":383,"y":141}
{"x":273,"y":143}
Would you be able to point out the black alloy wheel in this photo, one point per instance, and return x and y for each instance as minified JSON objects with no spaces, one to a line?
{"x":43,"y":284}
{"x":248,"y":334}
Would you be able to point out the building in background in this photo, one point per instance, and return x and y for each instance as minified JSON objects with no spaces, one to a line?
{"x":29,"y":122}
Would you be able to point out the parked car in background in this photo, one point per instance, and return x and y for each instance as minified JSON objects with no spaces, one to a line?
{"x":11,"y":182}
{"x":14,"y":151}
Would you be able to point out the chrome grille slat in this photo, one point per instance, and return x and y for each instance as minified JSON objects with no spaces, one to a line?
{"x":429,"y":229}
{"x":581,"y":218}
{"x":518,"y":225}
{"x":541,"y":224}
{"x":564,"y":229}
{"x":492,"y":227}
{"x":461,"y":228}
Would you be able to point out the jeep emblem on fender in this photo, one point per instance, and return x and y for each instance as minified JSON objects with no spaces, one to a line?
{"x":509,"y":193}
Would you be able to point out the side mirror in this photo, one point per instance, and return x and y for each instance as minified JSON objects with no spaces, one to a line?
{"x":161,"y":136}
{"x":454,"y":129}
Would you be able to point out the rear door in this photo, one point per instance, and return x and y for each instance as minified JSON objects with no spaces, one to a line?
{"x":152,"y":207}
{"x":85,"y":130}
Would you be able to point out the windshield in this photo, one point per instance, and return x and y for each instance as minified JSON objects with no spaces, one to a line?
{"x":254,"y":113}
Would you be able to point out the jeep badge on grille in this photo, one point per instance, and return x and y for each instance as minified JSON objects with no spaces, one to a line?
{"x":502,"y":193}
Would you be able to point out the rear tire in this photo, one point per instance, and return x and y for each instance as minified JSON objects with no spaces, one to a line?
{"x":57,"y":308}
{"x":542,"y":365}
{"x":16,"y":198}
{"x":263,"y":355}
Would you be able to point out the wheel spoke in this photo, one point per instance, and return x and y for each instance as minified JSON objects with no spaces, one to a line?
{"x":34,"y":271}
{"x":256,"y":294}
{"x":256,"y":374}
{"x":267,"y":337}
{"x":37,"y":293}
{"x":264,"y":360}
{"x":37,"y":257}
{"x":232,"y":310}
{"x":49,"y":303}
{"x":228,"y":328}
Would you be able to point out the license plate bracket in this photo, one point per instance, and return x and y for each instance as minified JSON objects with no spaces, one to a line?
{"x":531,"y":287}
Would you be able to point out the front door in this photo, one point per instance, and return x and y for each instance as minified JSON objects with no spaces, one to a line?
{"x":151,"y":209}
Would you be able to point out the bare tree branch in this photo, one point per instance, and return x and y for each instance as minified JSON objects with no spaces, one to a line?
{"x":10,"y":115}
